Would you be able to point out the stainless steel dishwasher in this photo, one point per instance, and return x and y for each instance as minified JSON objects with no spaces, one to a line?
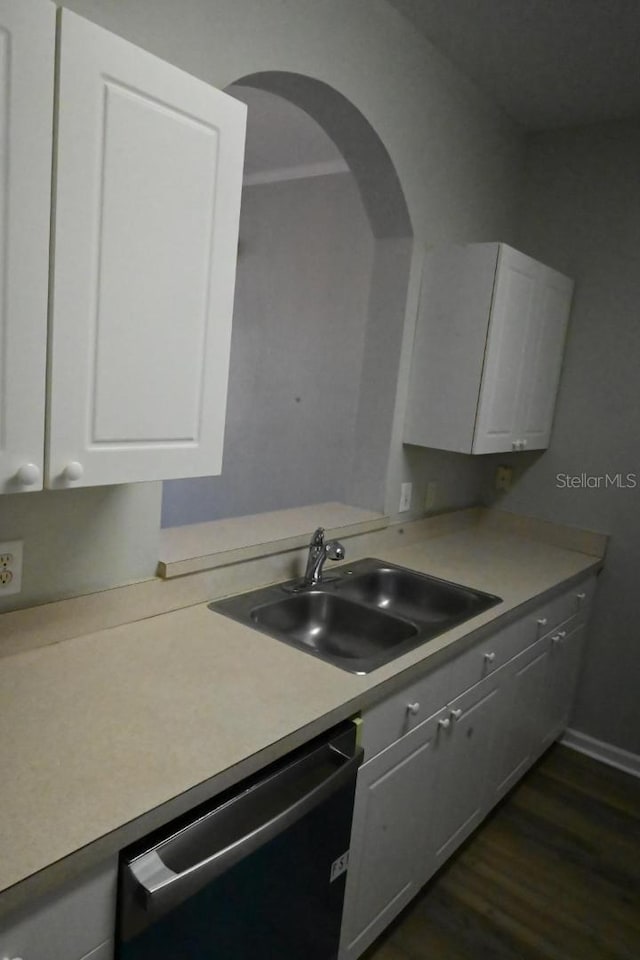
{"x":257,"y":874}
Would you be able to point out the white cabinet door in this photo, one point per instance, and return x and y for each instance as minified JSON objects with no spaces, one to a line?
{"x":512,"y":316}
{"x":562,"y":674}
{"x":27,"y":46}
{"x":391,"y":819}
{"x":149,"y":171}
{"x":544,"y":351}
{"x":77,"y":921}
{"x":487,"y":351}
{"x":465,"y":747}
{"x":522,"y":717}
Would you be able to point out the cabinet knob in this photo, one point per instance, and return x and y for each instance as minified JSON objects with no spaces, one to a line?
{"x":489,"y":657}
{"x":456,"y":714}
{"x":73,"y":471}
{"x":444,"y":723}
{"x":556,"y":638}
{"x":28,"y":474}
{"x":542,"y":621}
{"x":413,"y":708}
{"x":562,"y":634}
{"x":580,"y":597}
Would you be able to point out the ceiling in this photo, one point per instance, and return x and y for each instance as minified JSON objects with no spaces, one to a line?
{"x":547,"y":63}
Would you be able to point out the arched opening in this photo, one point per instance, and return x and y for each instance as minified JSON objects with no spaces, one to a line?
{"x":324,"y":255}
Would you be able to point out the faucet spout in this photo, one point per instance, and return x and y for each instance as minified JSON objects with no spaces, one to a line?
{"x":319,"y":551}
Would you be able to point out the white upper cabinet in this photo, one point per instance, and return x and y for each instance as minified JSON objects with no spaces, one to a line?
{"x":488,"y":350}
{"x":147,"y":182}
{"x":149,"y":176}
{"x":27,"y":45}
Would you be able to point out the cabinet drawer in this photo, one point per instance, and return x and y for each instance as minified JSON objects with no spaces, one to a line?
{"x":68,"y":925}
{"x":570,"y":604}
{"x":386,"y":722}
{"x":490,"y":654}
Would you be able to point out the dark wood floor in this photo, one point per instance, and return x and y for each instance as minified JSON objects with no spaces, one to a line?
{"x":553,"y":874}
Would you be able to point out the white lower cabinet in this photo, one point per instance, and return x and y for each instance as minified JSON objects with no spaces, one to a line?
{"x":76,"y":922}
{"x":521,"y":709}
{"x":423,"y":789}
{"x":396,"y":790}
{"x":465,"y":744}
{"x":565,"y":654}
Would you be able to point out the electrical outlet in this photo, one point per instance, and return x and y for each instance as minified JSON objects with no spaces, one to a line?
{"x":504,"y":479}
{"x":10,"y":567}
{"x":431,"y":496}
{"x":405,"y":497}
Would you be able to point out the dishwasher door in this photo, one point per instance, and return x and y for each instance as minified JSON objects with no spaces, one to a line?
{"x":259,"y":875}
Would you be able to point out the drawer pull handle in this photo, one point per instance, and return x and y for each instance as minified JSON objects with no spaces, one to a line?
{"x":556,"y":638}
{"x":562,"y":634}
{"x":413,"y":708}
{"x":489,"y":657}
{"x":456,"y":714}
{"x":542,"y":622}
{"x":444,"y":723}
{"x":580,"y":597}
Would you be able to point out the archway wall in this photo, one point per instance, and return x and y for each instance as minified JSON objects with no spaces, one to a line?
{"x":458,"y":159}
{"x":357,"y":141}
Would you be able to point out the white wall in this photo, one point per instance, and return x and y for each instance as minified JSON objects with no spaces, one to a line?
{"x":299,"y":327}
{"x":457,"y":157}
{"x":80,"y":541}
{"x":581,"y":214}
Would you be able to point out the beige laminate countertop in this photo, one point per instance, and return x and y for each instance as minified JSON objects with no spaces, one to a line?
{"x":99,"y":730}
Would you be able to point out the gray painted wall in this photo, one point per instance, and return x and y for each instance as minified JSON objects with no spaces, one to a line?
{"x":581,"y":214}
{"x":299,"y":328}
{"x":458,"y":159}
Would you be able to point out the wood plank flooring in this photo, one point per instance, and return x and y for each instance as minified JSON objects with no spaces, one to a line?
{"x":553,"y":874}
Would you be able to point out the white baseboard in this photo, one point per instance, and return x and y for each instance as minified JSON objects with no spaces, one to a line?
{"x":599,"y":750}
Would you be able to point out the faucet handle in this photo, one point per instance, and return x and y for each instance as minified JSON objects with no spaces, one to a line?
{"x":334,"y":550}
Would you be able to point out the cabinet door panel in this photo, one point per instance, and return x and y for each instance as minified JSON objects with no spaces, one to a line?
{"x":564,"y":663}
{"x":148,"y":192}
{"x":388,"y":840}
{"x":545,"y":348}
{"x":512,"y":310}
{"x":74,"y":922}
{"x":522,"y":719}
{"x":27,"y":47}
{"x":465,"y":749}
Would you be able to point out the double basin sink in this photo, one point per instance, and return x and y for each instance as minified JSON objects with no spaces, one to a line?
{"x":360,"y":618}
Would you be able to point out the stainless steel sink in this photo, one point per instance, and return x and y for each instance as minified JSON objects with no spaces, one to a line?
{"x":367,"y":614}
{"x":413,"y":595}
{"x":332,"y":627}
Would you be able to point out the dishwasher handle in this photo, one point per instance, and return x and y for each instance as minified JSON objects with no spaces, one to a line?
{"x":152,"y":888}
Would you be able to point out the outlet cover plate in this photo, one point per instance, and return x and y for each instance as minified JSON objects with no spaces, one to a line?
{"x":405,"y":497}
{"x":10,"y":567}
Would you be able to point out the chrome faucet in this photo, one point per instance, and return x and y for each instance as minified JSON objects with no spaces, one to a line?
{"x":318,"y":553}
